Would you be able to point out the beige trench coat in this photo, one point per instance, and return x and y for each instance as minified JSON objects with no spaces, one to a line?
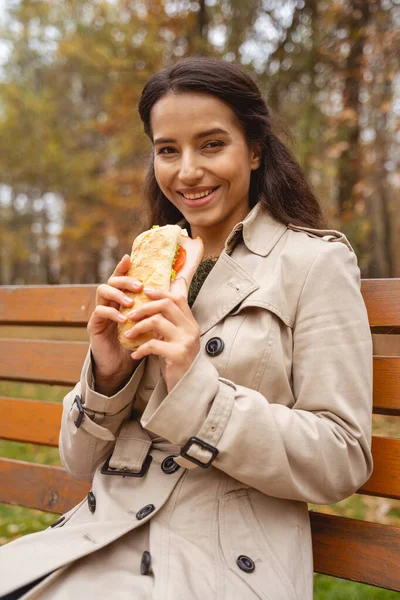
{"x":281,"y":404}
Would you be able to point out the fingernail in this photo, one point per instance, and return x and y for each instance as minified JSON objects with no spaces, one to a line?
{"x":136,"y":285}
{"x":122,"y":318}
{"x":148,"y":289}
{"x":132,"y":314}
{"x":128,"y":300}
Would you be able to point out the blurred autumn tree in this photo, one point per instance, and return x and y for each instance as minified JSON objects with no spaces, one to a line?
{"x":72,"y":153}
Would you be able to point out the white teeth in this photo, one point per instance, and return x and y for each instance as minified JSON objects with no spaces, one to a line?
{"x":198,"y":195}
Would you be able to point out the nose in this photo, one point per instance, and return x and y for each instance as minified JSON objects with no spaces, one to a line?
{"x":190,"y":170}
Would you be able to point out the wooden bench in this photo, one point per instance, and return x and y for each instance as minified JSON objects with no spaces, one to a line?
{"x":351,"y":549}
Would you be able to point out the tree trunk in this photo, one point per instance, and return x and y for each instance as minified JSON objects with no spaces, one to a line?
{"x":349,"y":167}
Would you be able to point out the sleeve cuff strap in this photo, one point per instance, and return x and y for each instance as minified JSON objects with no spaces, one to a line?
{"x":113,"y":404}
{"x":192,"y":409}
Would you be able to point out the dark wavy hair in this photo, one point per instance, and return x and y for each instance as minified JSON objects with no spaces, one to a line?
{"x":279,"y":183}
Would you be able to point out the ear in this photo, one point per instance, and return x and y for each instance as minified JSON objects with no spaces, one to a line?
{"x":255,"y":156}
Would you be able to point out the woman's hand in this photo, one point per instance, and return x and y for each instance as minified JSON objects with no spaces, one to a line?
{"x":113,"y":363}
{"x":178,"y":335}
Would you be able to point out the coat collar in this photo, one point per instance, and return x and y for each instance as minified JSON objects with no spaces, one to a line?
{"x":229,"y":282}
{"x":260,"y":231}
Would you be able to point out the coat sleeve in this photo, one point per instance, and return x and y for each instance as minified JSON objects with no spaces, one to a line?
{"x":82,"y":448}
{"x":318,"y":450}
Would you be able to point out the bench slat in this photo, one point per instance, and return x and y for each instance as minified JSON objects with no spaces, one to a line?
{"x":39,"y":486}
{"x":61,"y":304}
{"x":74,"y":303}
{"x":30,"y":421}
{"x":61,"y":362}
{"x":364,"y":552}
{"x":42,"y":361}
{"x":382,"y":299}
{"x":385,"y":478}
{"x":356,"y":550}
{"x":387,"y":385}
{"x":39,"y":423}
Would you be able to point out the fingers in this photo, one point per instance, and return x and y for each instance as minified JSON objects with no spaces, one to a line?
{"x":119,"y":278}
{"x":101,"y":313}
{"x":156,"y":324}
{"x":165,"y":306}
{"x":157,"y":347}
{"x":107,"y":294}
{"x":125,"y":283}
{"x":179,"y":298}
{"x":122,"y":266}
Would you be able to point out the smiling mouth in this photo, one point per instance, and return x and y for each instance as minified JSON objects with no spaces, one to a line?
{"x":199,"y":194}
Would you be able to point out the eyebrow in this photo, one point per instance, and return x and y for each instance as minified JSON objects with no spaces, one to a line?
{"x":196,"y":137}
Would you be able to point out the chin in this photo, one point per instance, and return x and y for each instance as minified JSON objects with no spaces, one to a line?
{"x":201,"y":221}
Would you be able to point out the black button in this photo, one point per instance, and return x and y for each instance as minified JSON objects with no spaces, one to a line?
{"x":91,"y":502}
{"x":59,"y":520}
{"x":169,"y":466}
{"x":146,"y":510}
{"x":145,"y":563}
{"x":245,"y":563}
{"x":215,"y":346}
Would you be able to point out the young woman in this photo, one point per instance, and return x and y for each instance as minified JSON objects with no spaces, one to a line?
{"x":255,"y":398}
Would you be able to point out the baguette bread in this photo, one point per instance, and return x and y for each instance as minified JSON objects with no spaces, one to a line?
{"x":152,"y":259}
{"x":152,"y":255}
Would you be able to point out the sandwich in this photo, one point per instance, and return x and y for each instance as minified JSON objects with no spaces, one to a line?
{"x":158,"y":256}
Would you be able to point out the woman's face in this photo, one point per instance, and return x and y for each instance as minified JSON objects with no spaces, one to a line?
{"x":202,"y":162}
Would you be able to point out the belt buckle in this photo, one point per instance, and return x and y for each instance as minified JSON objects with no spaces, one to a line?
{"x":204,"y":446}
{"x":107,"y":470}
{"x":79,"y":419}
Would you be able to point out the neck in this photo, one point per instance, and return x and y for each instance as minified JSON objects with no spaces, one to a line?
{"x":214,"y":236}
{"x":213,"y":245}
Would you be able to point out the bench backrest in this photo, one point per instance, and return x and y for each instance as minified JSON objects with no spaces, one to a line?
{"x":352,"y":549}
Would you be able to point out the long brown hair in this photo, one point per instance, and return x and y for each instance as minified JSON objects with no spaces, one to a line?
{"x":279,"y":183}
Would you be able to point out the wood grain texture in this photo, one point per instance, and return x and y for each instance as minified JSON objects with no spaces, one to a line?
{"x":386,"y":384}
{"x":42,"y":361}
{"x":39,"y":486}
{"x":30,"y":421}
{"x":73,"y":333}
{"x":356,"y":550}
{"x":39,"y":422}
{"x":57,"y":304}
{"x":385,"y":478}
{"x":68,"y":304}
{"x":382,"y":299}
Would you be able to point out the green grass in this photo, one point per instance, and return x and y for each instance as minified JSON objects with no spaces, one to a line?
{"x":33,"y":391}
{"x":16,"y":521}
{"x":44,"y":455}
{"x":331,"y":588}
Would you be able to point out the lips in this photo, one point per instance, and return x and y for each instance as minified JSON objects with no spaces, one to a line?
{"x":199,"y":200}
{"x":197,"y":193}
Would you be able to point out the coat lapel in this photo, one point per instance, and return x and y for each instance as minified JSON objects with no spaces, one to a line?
{"x":229,"y":283}
{"x":226,"y":286}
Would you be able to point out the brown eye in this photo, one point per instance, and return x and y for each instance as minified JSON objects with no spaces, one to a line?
{"x":166,"y":150}
{"x":213,"y":144}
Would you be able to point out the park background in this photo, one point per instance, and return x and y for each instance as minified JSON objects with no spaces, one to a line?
{"x":73,"y":154}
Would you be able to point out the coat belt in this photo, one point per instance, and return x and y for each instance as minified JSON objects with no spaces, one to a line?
{"x":134,"y":444}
